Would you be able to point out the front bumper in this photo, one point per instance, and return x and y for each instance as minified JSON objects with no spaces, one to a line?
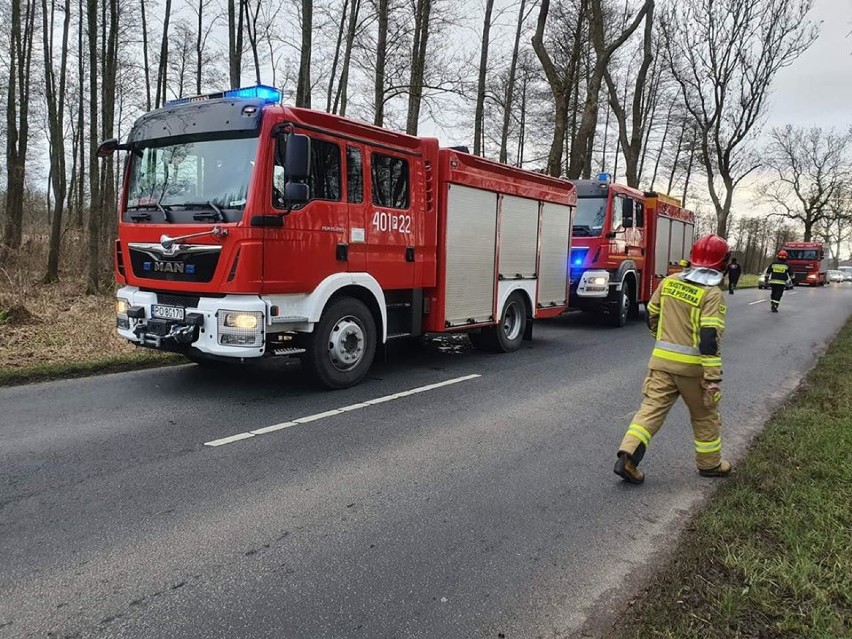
{"x":201,"y":329}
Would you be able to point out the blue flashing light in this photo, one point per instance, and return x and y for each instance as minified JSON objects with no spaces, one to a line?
{"x":269,"y":95}
{"x":578,"y":256}
{"x":604,"y":177}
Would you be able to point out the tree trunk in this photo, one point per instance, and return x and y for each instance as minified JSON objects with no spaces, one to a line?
{"x":510,"y":87}
{"x":162,"y":73}
{"x":199,"y":52}
{"x":342,"y":99}
{"x":94,"y":244}
{"x":329,"y":102}
{"x":108,"y":93}
{"x":418,"y":65}
{"x":144,"y":55}
{"x":17,"y":123}
{"x":303,"y":88}
{"x":381,"y":58}
{"x":235,"y":41}
{"x":55,"y":121}
{"x":480,"y":90}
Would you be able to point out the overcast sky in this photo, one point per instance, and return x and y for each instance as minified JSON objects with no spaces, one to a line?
{"x":817,"y":88}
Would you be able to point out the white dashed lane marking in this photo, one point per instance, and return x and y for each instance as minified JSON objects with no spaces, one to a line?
{"x":757,"y":302}
{"x":337,"y":411}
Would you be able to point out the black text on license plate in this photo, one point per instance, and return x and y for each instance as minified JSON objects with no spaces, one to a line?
{"x":167,"y":312}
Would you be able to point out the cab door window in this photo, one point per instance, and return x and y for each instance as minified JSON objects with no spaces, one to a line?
{"x":617,"y":212}
{"x":325,"y":179}
{"x":354,"y":175}
{"x":389,"y":181}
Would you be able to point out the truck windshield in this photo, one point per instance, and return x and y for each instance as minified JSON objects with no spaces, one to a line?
{"x":190,"y":182}
{"x":802,"y":254}
{"x":589,"y":216}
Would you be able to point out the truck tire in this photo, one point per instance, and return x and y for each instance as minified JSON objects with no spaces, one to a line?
{"x":342,"y":347}
{"x":619,"y":311}
{"x":509,"y":333}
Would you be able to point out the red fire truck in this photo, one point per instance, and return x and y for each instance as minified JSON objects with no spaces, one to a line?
{"x":249,"y":229}
{"x":807,"y":262}
{"x":625,"y":241}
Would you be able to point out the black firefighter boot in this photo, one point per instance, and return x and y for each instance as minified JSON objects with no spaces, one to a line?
{"x":626,"y":468}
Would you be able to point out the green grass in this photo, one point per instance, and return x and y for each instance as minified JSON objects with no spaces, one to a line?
{"x":772,"y":555}
{"x":748,"y":281}
{"x":112,"y":364}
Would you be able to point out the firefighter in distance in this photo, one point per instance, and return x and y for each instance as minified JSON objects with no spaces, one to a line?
{"x":687,"y":317}
{"x":779,"y":276}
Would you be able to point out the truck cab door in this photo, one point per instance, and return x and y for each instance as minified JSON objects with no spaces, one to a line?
{"x":358,"y":207}
{"x":390,"y":220}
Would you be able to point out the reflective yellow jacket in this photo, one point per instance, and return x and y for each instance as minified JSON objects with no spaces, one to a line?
{"x":688,"y":320}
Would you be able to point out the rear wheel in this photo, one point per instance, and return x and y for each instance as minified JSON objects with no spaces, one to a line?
{"x":509,"y":333}
{"x":343,"y":344}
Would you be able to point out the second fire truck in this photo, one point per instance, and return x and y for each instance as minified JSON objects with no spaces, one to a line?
{"x":808,"y":263}
{"x":625,"y":242}
{"x":250,"y":229}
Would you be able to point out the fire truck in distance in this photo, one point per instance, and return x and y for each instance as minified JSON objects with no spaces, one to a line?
{"x":807,"y":262}
{"x":624,"y":243}
{"x":249,"y":229}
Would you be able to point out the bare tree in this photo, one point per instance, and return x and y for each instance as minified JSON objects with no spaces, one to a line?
{"x":235,"y":40}
{"x":162,"y":71}
{"x":145,"y":56}
{"x":341,"y":98}
{"x":95,"y":213}
{"x":418,"y":64}
{"x":480,"y":87}
{"x":17,"y":121}
{"x":510,"y":86}
{"x":809,"y":167}
{"x":561,"y":81}
{"x":603,"y":53}
{"x":724,"y":55}
{"x":381,"y":60}
{"x":55,"y":96}
{"x":631,"y":140}
{"x":303,"y":88}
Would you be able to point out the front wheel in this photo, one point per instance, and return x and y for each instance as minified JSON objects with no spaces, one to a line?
{"x":509,"y":333}
{"x":620,"y":311}
{"x":343,"y":344}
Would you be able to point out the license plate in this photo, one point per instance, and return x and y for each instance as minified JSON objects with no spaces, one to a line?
{"x":167,"y":312}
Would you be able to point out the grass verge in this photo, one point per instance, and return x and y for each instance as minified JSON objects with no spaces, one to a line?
{"x":114,"y":364}
{"x":772,"y":554}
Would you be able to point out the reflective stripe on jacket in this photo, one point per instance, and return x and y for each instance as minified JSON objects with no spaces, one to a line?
{"x":688,"y":320}
{"x":779,"y":273}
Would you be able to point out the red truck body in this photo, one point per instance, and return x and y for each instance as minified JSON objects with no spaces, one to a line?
{"x":807,"y":262}
{"x":394,"y":237}
{"x":625,"y":241}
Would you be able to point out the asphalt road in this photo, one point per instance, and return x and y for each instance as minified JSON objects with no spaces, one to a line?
{"x":470,"y":509}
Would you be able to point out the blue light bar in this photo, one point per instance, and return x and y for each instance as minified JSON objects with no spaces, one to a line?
{"x":604,"y":177}
{"x":270,"y":95}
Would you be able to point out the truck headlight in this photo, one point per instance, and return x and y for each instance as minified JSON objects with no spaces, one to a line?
{"x":240,"y":328}
{"x":121,"y":306}
{"x":245,"y":321}
{"x":597,"y":281}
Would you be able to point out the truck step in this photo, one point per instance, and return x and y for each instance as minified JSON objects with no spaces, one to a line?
{"x":286,"y":352}
{"x":398,"y":335}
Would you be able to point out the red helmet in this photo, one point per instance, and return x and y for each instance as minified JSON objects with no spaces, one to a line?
{"x":782,"y":254}
{"x":710,"y":251}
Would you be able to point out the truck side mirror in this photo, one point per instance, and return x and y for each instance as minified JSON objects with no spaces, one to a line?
{"x":627,"y":213}
{"x":296,"y":193}
{"x":297,"y":157}
{"x":107,"y":148}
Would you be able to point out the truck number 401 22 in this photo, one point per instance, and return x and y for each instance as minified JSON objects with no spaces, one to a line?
{"x":390,"y":222}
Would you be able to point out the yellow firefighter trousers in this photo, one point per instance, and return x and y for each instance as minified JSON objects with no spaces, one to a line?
{"x":661,"y":391}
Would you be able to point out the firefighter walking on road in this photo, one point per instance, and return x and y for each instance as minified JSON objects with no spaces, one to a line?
{"x":687,"y":317}
{"x":779,"y":277}
{"x":734,"y":271}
